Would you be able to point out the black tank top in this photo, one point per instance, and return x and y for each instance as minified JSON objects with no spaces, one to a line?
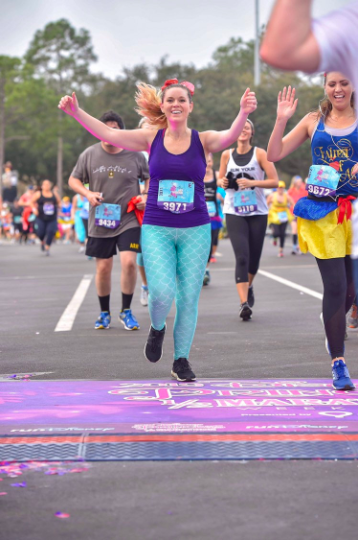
{"x":47,"y":207}
{"x":243,"y":159}
{"x":210,"y":189}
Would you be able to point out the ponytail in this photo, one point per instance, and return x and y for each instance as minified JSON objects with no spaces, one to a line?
{"x":148,"y":99}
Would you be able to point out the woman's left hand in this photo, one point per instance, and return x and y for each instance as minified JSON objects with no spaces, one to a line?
{"x":248,"y":102}
{"x":244,"y":184}
{"x":355,"y":169}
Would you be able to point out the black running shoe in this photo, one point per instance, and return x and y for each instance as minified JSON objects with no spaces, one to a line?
{"x":251,"y":297}
{"x":181,"y":371}
{"x":153,"y":350}
{"x":245,"y":311}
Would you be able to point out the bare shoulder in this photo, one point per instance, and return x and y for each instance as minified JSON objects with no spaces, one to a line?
{"x":261,"y":153}
{"x":310,"y":121}
{"x":150,"y":135}
{"x":261,"y":156}
{"x":226,"y":154}
{"x":203,"y":136}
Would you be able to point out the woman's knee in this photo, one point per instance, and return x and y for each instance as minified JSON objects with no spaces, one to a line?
{"x":242,"y":262}
{"x":333,"y":289}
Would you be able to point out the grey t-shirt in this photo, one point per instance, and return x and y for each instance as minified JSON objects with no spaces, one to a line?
{"x":117,"y":177}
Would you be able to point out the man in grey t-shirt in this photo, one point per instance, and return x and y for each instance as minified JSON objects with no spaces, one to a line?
{"x":113,"y":176}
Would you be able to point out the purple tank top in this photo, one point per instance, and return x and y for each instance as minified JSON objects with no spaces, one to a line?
{"x":190,"y":167}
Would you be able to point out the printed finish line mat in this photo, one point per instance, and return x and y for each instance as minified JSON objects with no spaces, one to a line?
{"x":153,"y":406}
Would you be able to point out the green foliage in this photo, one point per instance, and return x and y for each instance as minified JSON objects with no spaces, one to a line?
{"x":58,"y":60}
{"x":62,"y":56}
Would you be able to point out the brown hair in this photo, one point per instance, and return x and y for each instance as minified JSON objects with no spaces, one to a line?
{"x":325,"y":106}
{"x":252,"y":130}
{"x":149,"y":99}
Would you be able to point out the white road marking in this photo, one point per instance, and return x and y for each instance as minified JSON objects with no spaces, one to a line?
{"x":291,"y":284}
{"x":68,"y":316}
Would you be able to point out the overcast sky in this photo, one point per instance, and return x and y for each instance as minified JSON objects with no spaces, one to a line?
{"x":128,"y":32}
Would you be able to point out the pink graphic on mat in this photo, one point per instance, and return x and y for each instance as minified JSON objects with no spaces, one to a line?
{"x":208,"y":405}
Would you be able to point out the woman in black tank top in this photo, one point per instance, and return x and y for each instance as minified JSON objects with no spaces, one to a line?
{"x":210,"y":188}
{"x":45,"y":204}
{"x":243,"y":171}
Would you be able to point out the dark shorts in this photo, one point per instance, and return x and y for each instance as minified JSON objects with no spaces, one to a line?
{"x":105,"y":248}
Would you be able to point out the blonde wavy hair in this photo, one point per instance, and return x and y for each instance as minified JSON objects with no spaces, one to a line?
{"x":148,"y":100}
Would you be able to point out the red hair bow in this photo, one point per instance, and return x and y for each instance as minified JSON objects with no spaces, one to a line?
{"x":187,"y":84}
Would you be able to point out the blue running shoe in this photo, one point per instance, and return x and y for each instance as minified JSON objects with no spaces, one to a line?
{"x":341,"y":378}
{"x":128,"y":320}
{"x":103,"y":322}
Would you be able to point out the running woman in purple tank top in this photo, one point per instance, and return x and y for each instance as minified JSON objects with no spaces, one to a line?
{"x":176,"y":227}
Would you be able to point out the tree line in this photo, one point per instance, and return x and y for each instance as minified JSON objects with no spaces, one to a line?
{"x":42,"y":142}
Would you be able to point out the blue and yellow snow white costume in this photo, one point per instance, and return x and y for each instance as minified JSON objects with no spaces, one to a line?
{"x":324,"y":226}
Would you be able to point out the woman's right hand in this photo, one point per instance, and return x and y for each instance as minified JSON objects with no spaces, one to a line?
{"x":69,"y":104}
{"x":286,"y":103}
{"x":94,"y":198}
{"x":225,"y":182}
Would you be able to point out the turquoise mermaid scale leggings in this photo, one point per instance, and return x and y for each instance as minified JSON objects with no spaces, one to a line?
{"x":175,"y":261}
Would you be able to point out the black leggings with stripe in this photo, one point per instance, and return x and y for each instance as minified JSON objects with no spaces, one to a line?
{"x":338,"y":296}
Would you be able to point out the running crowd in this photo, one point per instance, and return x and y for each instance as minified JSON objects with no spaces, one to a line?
{"x":30,"y":217}
{"x":171,"y":224}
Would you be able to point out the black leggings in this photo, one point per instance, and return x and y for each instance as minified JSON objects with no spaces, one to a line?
{"x":46,"y":230}
{"x":214,"y":240}
{"x":279,"y":231}
{"x":247,"y":235}
{"x":338,"y":296}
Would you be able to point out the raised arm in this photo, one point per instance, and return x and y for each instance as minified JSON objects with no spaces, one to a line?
{"x":280,"y":146}
{"x":216,"y":141}
{"x":135,"y":140}
{"x":271,"y":180}
{"x":289,"y":42}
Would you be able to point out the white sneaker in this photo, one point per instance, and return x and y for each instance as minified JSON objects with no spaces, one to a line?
{"x":144,"y":295}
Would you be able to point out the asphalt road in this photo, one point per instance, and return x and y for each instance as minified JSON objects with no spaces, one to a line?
{"x":170,"y":500}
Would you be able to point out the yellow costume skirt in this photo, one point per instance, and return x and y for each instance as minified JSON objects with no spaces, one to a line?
{"x":273,"y":216}
{"x":325,"y":238}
